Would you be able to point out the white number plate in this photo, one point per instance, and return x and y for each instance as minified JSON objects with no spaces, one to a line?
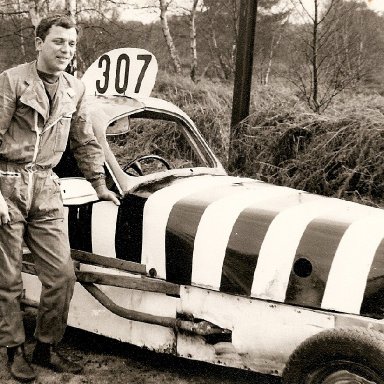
{"x":123,"y":71}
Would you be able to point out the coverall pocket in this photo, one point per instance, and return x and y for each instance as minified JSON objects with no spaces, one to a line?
{"x":48,"y":203}
{"x":9,"y":183}
{"x":57,"y":199}
{"x":10,"y":187}
{"x":62,"y":133}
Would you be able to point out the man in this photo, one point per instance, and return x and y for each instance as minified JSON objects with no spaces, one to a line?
{"x":41,"y":107}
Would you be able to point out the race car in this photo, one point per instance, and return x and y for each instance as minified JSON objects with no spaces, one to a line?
{"x":212,"y":267}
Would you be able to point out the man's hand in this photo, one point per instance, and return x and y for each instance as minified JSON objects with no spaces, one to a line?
{"x":4,"y":214}
{"x":103,"y":193}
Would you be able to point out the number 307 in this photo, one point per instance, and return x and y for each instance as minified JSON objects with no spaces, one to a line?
{"x":123,"y":62}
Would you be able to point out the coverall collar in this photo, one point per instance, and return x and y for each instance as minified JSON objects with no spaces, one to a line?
{"x":64,"y":103}
{"x":35,"y":96}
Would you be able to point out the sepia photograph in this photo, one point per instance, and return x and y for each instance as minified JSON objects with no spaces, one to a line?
{"x":192,"y":191}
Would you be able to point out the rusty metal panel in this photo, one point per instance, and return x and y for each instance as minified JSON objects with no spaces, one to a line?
{"x":88,"y":314}
{"x":264,"y":334}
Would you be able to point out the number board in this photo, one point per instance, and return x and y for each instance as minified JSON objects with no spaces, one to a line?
{"x":123,"y":71}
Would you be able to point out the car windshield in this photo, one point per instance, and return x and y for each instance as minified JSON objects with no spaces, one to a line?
{"x":157,"y":144}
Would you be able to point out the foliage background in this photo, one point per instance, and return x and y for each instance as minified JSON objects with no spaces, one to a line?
{"x":335,"y":151}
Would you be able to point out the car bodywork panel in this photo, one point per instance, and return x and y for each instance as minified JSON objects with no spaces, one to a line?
{"x":270,"y":264}
{"x":245,"y":237}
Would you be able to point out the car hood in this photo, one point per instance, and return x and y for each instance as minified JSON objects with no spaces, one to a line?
{"x":247,"y":237}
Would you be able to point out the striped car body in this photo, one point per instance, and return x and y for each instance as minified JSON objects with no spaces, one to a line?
{"x":248,"y":238}
{"x":273,"y":265}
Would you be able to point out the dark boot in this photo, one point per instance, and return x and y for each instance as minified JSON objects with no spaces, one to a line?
{"x":46,"y":356}
{"x":18,"y":364}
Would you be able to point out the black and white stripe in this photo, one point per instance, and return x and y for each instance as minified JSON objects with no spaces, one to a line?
{"x":245,"y":237}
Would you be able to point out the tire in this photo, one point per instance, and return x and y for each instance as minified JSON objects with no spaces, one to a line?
{"x":337,"y":356}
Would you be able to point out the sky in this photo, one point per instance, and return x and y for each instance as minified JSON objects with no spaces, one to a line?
{"x":147,"y":15}
{"x":377,"y":5}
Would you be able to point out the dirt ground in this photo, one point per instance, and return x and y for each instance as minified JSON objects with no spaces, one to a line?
{"x":108,"y":361}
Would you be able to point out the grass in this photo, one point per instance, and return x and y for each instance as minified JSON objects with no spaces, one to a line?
{"x":338,"y":153}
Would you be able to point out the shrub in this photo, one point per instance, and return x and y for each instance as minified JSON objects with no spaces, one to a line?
{"x":207,"y":103}
{"x":336,"y":154}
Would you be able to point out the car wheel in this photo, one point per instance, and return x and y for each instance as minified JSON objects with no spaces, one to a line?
{"x":350,"y":355}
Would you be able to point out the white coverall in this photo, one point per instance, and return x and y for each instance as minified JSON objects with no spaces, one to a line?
{"x":33,"y":136}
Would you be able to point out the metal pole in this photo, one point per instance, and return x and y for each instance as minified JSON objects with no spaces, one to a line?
{"x":243,"y":77}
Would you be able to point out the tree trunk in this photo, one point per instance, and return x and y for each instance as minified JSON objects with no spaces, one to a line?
{"x":274,"y":43}
{"x":315,"y":74}
{"x":242,"y":84}
{"x":22,"y":43}
{"x":168,"y":38}
{"x":269,"y":65}
{"x":227,"y":71}
{"x":70,"y":7}
{"x":35,"y":11}
{"x":193,"y":41}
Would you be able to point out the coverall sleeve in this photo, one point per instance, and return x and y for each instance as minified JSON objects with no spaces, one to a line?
{"x":87,"y":151}
{"x":7,"y":103}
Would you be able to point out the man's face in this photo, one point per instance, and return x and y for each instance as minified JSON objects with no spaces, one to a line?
{"x":57,"y":50}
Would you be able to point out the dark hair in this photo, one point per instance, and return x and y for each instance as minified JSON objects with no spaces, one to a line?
{"x":46,"y":23}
